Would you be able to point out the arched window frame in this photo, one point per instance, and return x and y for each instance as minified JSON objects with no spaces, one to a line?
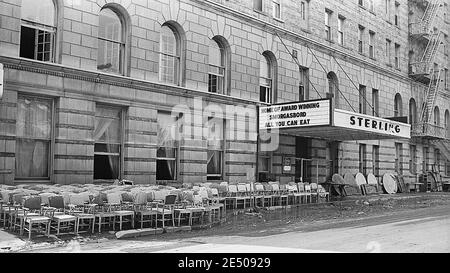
{"x":123,"y":42}
{"x":218,"y":74}
{"x":268,"y":82}
{"x":179,"y":56}
{"x":447,"y":123}
{"x":398,"y":111}
{"x":333,"y":87}
{"x":412,"y":118}
{"x":437,"y":116}
{"x":46,"y":31}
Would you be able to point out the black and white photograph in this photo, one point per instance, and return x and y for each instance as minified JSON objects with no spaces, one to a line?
{"x":221,"y":133}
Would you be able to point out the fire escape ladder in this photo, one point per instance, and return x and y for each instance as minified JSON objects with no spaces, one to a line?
{"x":430,"y":96}
{"x":444,"y":147}
{"x":431,"y":49}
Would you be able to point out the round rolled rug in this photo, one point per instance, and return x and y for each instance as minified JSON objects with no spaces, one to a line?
{"x":389,"y":183}
{"x":371,"y":179}
{"x":350,"y":179}
{"x":338,"y":179}
{"x":360,"y":179}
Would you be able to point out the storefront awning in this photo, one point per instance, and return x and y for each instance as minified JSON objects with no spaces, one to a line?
{"x":317,"y":119}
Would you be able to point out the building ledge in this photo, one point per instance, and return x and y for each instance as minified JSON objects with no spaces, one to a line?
{"x":59,"y":70}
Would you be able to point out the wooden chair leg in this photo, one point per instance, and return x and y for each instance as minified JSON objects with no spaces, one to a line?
{"x":29,"y":231}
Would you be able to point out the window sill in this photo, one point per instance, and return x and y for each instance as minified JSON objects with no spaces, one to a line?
{"x":169,"y":84}
{"x":102,"y":181}
{"x":389,"y":65}
{"x":278,"y":20}
{"x":29,"y":181}
{"x":260,"y":12}
{"x":111,"y":73}
{"x":166,"y":182}
{"x":305,"y":30}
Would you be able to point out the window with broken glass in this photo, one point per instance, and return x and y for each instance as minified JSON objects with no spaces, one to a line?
{"x":111,"y":46}
{"x":168,"y":145}
{"x":216,"y":75}
{"x":215,"y":154}
{"x":108,"y":137}
{"x":265,"y":80}
{"x":170,"y":56}
{"x":33,"y":138}
{"x":38,"y":30}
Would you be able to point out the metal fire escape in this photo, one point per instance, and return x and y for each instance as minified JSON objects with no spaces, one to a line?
{"x":424,"y":30}
{"x":426,"y":127}
{"x":427,"y":71}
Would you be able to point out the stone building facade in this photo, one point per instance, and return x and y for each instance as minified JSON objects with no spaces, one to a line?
{"x":92,"y":89}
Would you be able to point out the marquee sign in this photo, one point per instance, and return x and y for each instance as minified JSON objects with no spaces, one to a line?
{"x":318,"y":119}
{"x":371,"y":124}
{"x":292,"y":115}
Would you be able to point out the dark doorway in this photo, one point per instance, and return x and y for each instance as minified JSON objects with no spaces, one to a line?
{"x":333,"y":155}
{"x":303,"y":159}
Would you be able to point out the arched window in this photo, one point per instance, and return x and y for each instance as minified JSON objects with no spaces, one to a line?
{"x":38,"y":30}
{"x":437,"y":118}
{"x":267,"y":77}
{"x":217,"y":74}
{"x":412,"y":111}
{"x":333,"y":87}
{"x":111,"y":42}
{"x":447,"y":123}
{"x":170,"y":55}
{"x":398,"y":105}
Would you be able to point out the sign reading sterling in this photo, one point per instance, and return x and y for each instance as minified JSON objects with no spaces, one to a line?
{"x":299,"y":114}
{"x":372,"y":124}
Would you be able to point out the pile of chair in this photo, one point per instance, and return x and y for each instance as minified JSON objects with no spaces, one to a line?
{"x":74,"y":209}
{"x":267,"y":194}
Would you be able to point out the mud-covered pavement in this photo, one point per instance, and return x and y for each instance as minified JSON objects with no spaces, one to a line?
{"x":400,"y":223}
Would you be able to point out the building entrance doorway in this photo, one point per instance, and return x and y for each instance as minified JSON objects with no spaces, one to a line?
{"x":303,"y":161}
{"x":332,"y":158}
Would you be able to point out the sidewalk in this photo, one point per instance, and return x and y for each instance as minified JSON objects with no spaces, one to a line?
{"x":10,"y":242}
